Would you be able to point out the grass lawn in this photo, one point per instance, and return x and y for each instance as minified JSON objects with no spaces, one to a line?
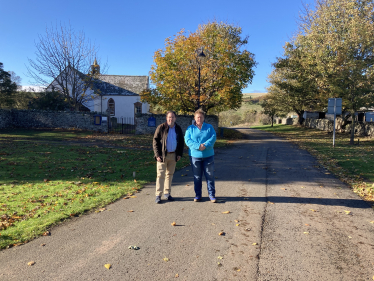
{"x":47,"y":176}
{"x":353,"y":164}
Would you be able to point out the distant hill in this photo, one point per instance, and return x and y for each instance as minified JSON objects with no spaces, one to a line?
{"x":254,"y":95}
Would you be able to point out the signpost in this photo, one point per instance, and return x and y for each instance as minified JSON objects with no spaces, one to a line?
{"x":334,"y":107}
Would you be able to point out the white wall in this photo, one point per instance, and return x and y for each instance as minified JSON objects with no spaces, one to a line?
{"x":124,"y":105}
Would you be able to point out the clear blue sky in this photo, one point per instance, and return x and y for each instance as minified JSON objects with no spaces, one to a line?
{"x":129,"y":32}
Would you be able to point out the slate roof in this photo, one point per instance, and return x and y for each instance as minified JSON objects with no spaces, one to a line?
{"x":121,"y":84}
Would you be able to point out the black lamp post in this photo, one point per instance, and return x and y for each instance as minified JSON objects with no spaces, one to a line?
{"x":200,"y":57}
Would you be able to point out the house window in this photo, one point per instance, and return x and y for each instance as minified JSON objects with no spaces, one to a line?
{"x":111,"y":107}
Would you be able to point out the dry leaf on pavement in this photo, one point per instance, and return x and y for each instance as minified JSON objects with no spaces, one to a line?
{"x":31,"y":263}
{"x":108,"y":266}
{"x":221,"y":233}
{"x":173,"y":223}
{"x":226,"y":212}
{"x":166,"y":259}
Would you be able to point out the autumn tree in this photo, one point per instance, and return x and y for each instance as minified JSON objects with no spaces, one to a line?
{"x":341,"y":48}
{"x":7,"y":88}
{"x":65,"y":57}
{"x":226,"y":70}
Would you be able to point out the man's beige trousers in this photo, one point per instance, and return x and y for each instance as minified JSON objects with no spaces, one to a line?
{"x":165,"y":172}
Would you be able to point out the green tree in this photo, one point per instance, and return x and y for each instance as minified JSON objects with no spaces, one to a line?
{"x":341,"y":48}
{"x":270,"y":107}
{"x":7,"y":88}
{"x":293,"y":87}
{"x":49,"y":101}
{"x":225,"y":71}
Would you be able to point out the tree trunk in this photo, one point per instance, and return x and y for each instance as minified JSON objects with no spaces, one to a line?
{"x":352,"y":140}
{"x":272,"y":120}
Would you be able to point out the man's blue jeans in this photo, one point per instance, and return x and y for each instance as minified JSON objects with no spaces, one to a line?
{"x":206,"y":165}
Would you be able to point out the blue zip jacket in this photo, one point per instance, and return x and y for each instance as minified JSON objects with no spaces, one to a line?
{"x":194,"y":137}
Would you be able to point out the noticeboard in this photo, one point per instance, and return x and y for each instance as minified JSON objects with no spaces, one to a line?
{"x":151,"y":122}
{"x":334,"y":106}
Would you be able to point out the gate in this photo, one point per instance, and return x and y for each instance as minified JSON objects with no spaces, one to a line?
{"x":122,"y":125}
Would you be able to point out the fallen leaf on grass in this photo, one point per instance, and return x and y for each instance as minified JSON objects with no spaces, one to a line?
{"x":46,"y":180}
{"x":31,"y":263}
{"x":173,"y":223}
{"x":108,"y":266}
{"x":226,"y":212}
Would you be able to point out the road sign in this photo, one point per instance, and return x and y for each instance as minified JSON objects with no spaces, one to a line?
{"x":334,"y":106}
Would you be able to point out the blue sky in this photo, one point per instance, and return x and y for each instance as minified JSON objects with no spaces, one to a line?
{"x":129,"y":32}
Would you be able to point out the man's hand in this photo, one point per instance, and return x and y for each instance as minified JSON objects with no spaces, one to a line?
{"x":178,"y":158}
{"x":202,"y":147}
{"x":159,"y":159}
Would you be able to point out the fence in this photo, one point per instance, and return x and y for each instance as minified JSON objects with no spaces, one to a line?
{"x":121,"y":125}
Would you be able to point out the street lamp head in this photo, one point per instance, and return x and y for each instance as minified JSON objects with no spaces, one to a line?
{"x":201,"y":56}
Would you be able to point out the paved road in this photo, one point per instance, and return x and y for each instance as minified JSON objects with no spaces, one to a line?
{"x":282,"y":200}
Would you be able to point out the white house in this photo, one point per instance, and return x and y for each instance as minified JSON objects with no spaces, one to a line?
{"x":117,"y":94}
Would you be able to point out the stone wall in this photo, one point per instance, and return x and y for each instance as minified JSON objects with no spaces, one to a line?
{"x":5,"y":119}
{"x":184,"y":121}
{"x":361,"y":129}
{"x":49,"y":119}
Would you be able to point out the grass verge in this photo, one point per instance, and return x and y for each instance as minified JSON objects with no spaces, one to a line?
{"x":353,"y":164}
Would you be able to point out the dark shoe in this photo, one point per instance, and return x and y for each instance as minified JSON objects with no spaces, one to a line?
{"x":212,"y":199}
{"x":197,"y":199}
{"x":158,"y":199}
{"x":168,"y":197}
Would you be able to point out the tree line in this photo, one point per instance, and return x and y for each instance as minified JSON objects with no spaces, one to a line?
{"x":331,"y":56}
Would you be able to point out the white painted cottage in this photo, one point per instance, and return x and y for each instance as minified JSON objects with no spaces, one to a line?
{"x":119,"y":94}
